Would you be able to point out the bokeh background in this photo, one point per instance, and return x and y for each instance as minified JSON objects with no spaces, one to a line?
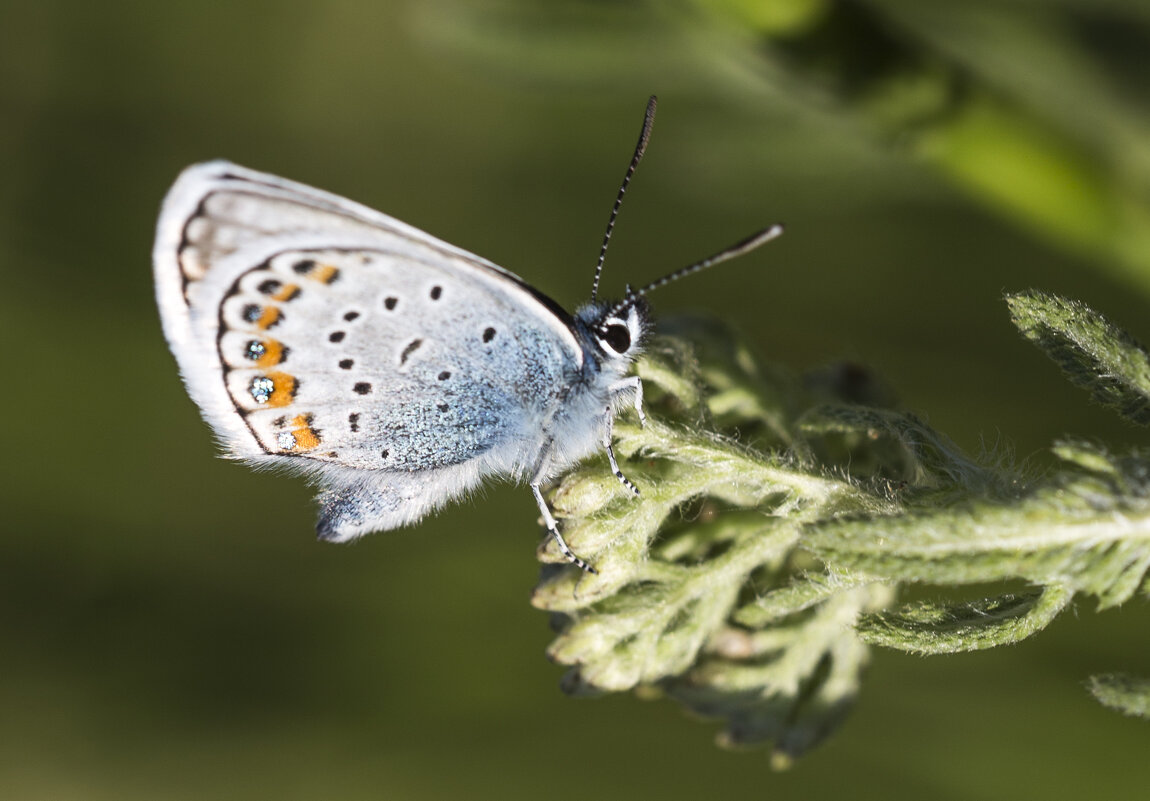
{"x":169,"y":628}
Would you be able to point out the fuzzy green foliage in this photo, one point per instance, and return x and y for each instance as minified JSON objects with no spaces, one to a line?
{"x":780,"y":518}
{"x":1093,"y":353}
{"x":963,"y":104}
{"x":1126,"y":694}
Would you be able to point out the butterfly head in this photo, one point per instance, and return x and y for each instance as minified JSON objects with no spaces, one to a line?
{"x":616,"y":329}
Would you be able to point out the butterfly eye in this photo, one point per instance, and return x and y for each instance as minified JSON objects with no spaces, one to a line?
{"x":617,"y":337}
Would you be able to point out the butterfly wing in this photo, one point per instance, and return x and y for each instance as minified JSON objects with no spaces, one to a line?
{"x":318,"y":334}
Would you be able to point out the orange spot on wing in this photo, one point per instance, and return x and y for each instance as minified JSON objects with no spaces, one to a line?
{"x":286,"y":293}
{"x":324,"y":273}
{"x":284,"y":391}
{"x":306,"y":437}
{"x":273,"y":353}
{"x":269,"y":317}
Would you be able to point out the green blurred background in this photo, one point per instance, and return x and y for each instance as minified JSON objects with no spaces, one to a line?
{"x":169,"y":628}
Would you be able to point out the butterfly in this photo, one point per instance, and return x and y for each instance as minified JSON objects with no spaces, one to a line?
{"x":393,"y":369}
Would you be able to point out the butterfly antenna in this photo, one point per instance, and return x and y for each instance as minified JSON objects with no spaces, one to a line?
{"x":745,"y":246}
{"x":640,"y":148}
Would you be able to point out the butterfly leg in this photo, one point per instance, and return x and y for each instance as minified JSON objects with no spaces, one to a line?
{"x":626,"y":482}
{"x":632,"y":384}
{"x":629,"y":384}
{"x":553,"y":528}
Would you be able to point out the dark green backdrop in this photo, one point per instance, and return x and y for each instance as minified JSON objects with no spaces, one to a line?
{"x":169,"y":628}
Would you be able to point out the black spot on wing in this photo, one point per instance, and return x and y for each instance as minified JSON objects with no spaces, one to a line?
{"x":410,"y":349}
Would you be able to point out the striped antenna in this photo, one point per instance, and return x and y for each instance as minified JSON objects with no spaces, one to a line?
{"x":746,"y":246}
{"x":644,"y":137}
